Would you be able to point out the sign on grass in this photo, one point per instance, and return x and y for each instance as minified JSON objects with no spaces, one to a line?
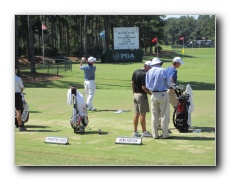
{"x":57,"y":140}
{"x":128,"y":140}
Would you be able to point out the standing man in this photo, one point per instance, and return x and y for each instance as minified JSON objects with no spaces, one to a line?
{"x":172,"y":71}
{"x":89,"y":83}
{"x":140,"y":99}
{"x":18,"y":100}
{"x":158,"y":81}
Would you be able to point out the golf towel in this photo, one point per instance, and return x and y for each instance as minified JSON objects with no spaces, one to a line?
{"x":189,"y":91}
{"x":191,"y":106}
{"x":81,"y":105}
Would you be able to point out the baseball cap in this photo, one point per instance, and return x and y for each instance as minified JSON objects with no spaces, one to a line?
{"x":178,"y":60}
{"x":91,"y":59}
{"x":148,"y":63}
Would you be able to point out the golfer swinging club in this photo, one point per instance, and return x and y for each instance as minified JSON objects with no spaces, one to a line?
{"x":89,"y":83}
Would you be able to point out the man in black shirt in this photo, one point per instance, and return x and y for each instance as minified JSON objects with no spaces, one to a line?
{"x":140,"y":99}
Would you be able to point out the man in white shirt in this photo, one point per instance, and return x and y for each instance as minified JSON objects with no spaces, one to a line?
{"x":18,"y":100}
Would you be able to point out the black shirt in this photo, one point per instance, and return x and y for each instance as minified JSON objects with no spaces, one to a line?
{"x":138,"y":79}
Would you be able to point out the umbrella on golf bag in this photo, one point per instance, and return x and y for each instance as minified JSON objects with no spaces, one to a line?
{"x":79,"y":119}
{"x":24,"y":111}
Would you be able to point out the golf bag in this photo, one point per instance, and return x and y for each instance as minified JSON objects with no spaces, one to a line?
{"x":79,"y":119}
{"x":24,"y":111}
{"x":182,"y":114}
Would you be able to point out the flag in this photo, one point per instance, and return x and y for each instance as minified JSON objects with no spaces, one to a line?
{"x":182,"y":51}
{"x":43,"y":27}
{"x":181,"y":38}
{"x":154,"y":40}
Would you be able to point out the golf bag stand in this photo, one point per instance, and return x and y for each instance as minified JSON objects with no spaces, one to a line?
{"x":181,"y":115}
{"x":79,"y":119}
{"x":24,"y":111}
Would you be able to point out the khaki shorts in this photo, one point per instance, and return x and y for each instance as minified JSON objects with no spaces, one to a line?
{"x":141,"y":103}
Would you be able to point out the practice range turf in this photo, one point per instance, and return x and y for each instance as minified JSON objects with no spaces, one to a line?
{"x":50,"y":116}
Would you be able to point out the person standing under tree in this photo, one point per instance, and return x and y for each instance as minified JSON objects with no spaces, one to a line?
{"x":89,"y":83}
{"x":140,"y":99}
{"x":18,"y":100}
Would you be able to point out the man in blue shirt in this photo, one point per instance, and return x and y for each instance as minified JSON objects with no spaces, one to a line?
{"x":89,"y":83}
{"x":172,"y":71}
{"x":158,"y":82}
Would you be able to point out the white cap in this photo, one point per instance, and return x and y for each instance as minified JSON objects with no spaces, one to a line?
{"x":178,"y":60}
{"x":148,"y":63}
{"x":91,"y":59}
{"x":156,"y":60}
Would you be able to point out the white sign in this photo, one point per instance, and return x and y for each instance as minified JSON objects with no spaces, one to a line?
{"x":126,"y":38}
{"x":128,"y":140}
{"x":56,"y":140}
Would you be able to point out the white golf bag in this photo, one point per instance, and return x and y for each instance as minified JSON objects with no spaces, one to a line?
{"x":79,"y":119}
{"x":24,"y":111}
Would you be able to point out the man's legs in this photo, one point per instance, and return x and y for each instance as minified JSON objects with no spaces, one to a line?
{"x":143,"y":121}
{"x":19,"y":117}
{"x":18,"y":107}
{"x":137,"y":114}
{"x":90,"y":91}
{"x":155,"y":115}
{"x":165,"y":114}
{"x":135,"y":122}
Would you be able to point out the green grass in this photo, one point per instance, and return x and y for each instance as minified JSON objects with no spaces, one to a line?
{"x":50,"y":116}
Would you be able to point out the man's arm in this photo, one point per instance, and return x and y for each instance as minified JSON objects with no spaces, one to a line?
{"x":82,"y":59}
{"x":21,"y":85}
{"x":132,"y":84}
{"x":146,"y":90}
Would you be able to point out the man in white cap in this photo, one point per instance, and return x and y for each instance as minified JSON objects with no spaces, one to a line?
{"x":172,"y":71}
{"x":89,"y":83}
{"x":140,"y":99}
{"x":158,"y":81}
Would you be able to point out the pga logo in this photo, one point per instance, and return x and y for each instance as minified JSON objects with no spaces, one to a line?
{"x":121,"y":56}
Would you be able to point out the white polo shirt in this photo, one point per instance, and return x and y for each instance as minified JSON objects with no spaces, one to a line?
{"x":18,"y":84}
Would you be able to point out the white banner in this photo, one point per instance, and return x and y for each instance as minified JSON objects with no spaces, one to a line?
{"x":126,"y":38}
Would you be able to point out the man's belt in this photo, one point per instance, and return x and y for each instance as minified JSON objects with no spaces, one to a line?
{"x":160,"y":91}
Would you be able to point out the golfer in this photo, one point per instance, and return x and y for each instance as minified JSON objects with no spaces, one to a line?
{"x":140,"y":99}
{"x":18,"y":100}
{"x":89,"y":83}
{"x":172,"y":71}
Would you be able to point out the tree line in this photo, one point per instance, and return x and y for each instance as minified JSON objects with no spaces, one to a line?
{"x":78,"y":35}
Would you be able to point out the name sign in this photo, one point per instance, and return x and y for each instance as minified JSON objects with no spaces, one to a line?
{"x":57,"y":140}
{"x":128,"y":140}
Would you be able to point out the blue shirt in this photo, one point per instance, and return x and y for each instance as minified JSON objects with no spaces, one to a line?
{"x":157,"y":79}
{"x":89,"y":72}
{"x":172,"y":73}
